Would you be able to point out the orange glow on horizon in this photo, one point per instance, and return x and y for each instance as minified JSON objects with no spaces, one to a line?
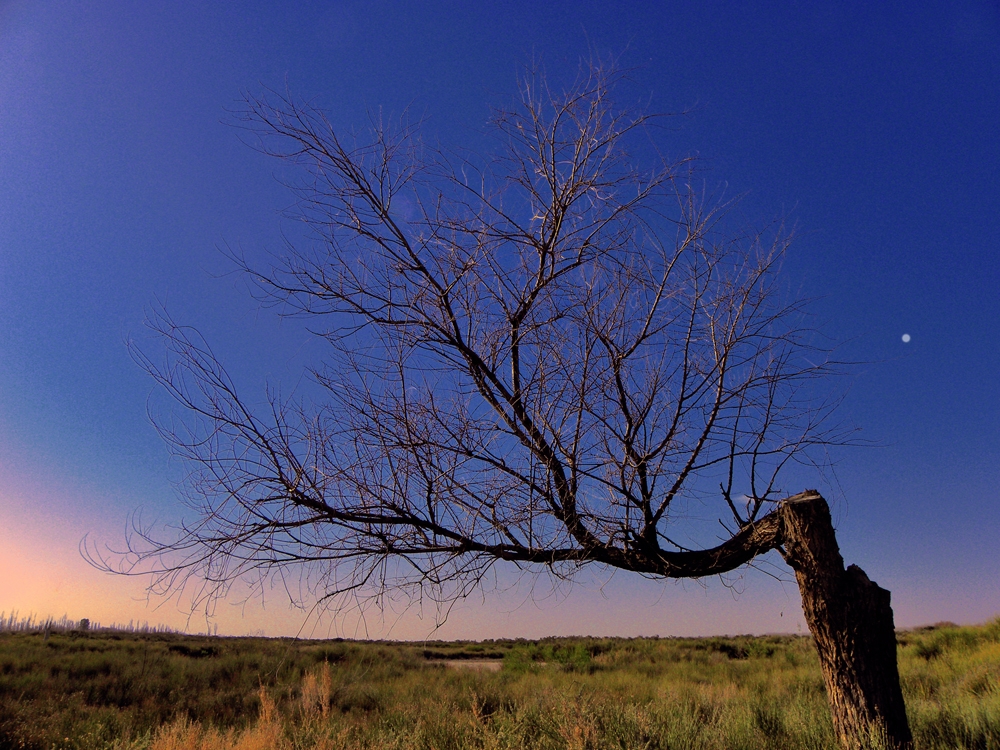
{"x":45,"y":575}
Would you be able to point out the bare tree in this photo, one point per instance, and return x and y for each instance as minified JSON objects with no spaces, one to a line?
{"x":544,"y":356}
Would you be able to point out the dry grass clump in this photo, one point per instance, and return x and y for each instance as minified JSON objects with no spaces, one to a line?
{"x":268,"y":733}
{"x":317,"y":693}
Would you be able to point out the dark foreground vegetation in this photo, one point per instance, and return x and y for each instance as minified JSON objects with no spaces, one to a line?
{"x":165,"y":691}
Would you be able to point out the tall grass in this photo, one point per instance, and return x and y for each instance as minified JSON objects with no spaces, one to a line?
{"x":951,"y":682}
{"x":555,"y":694}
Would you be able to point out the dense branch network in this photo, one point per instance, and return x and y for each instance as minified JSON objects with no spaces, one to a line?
{"x":536,"y":357}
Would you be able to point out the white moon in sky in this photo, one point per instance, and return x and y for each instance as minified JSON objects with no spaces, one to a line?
{"x":906,"y":338}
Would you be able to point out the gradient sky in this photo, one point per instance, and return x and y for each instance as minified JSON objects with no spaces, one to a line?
{"x":874,"y":127}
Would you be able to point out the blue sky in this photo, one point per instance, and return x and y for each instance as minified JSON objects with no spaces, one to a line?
{"x":873,"y":128}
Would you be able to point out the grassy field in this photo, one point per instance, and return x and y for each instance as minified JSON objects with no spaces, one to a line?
{"x":164,"y":691}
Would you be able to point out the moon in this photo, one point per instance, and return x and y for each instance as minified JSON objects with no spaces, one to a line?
{"x":906,"y":338}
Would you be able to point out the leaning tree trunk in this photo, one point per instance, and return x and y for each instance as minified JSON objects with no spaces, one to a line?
{"x":851,"y":621}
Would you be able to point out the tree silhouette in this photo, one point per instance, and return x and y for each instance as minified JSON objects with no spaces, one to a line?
{"x":541,"y":356}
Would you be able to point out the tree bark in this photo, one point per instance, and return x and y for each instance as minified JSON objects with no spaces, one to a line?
{"x":852,"y":624}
